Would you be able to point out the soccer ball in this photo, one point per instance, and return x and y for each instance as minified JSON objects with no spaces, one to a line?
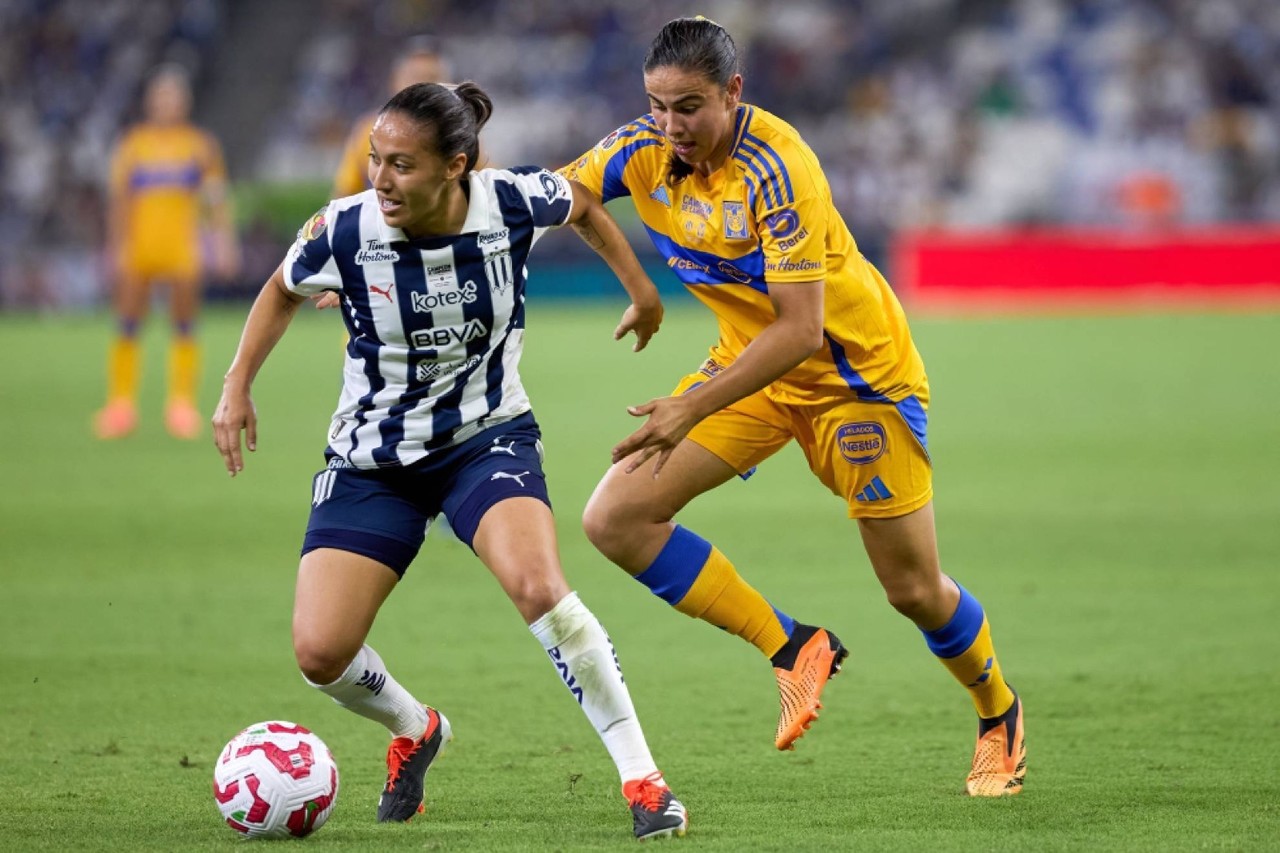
{"x":275,"y":780}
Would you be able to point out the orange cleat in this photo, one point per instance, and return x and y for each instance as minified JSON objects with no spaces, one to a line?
{"x":115,"y":420}
{"x":182,"y":419}
{"x":803,"y":666}
{"x":1000,"y":758}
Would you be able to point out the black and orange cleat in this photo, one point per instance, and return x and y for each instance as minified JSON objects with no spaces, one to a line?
{"x":1000,"y":758}
{"x":655,"y":810}
{"x":407,"y":764}
{"x":811,"y":656}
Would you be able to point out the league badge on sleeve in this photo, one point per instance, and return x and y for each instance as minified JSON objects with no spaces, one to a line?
{"x":315,"y":226}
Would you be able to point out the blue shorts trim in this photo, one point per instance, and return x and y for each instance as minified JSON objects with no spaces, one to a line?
{"x":383,"y":513}
{"x":392,"y":553}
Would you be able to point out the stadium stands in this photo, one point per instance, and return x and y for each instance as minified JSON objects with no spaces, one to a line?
{"x":1111,"y":113}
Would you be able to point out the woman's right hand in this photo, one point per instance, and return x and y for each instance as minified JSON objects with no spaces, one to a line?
{"x":235,"y":413}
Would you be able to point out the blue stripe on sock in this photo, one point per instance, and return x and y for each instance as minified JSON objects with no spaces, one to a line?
{"x":955,"y":637}
{"x":677,"y":566}
{"x":788,"y":624}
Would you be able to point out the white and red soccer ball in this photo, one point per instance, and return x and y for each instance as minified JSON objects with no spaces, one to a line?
{"x":275,"y":780}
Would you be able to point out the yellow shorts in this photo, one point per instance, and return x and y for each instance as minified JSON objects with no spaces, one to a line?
{"x":868,"y":453}
{"x":178,"y":262}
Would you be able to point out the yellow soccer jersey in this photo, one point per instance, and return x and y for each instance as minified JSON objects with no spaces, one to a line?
{"x":162,"y":173}
{"x":762,"y":220}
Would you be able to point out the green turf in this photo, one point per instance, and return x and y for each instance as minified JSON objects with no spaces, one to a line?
{"x":1108,"y":487}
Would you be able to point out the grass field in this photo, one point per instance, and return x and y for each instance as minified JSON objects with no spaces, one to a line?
{"x":1109,"y":487}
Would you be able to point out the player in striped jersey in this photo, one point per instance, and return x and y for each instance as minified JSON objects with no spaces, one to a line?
{"x":813,"y":347}
{"x":430,"y":268}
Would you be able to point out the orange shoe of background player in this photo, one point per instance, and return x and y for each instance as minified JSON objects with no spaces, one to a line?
{"x":115,"y":420}
{"x":811,"y":656}
{"x":1000,"y":758}
{"x":182,"y":419}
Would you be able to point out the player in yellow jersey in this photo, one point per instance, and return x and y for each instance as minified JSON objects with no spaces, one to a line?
{"x":813,"y":346}
{"x":167,"y":179}
{"x":419,"y":62}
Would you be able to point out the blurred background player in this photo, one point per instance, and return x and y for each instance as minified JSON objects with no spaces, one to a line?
{"x":167,"y":179}
{"x":419,"y":62}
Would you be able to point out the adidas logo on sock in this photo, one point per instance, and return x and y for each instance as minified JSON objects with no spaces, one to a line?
{"x":876,"y":491}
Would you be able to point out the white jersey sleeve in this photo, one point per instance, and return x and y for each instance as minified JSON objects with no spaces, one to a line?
{"x":309,"y":265}
{"x":547,"y":194}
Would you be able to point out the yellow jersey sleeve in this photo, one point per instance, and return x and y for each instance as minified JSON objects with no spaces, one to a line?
{"x":611,"y":169}
{"x":792,"y":207}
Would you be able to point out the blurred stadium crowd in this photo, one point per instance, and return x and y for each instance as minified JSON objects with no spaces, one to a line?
{"x":963,"y":113}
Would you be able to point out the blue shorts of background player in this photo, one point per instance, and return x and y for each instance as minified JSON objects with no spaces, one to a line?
{"x":384,"y":513}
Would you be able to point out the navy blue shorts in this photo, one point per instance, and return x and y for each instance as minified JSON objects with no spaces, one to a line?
{"x":383,"y":513}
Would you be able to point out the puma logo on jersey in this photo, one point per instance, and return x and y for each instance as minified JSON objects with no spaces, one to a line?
{"x":383,"y":291}
{"x":503,"y":475}
{"x":510,"y":449}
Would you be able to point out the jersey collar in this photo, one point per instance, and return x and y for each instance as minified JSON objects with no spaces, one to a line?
{"x":740,"y":124}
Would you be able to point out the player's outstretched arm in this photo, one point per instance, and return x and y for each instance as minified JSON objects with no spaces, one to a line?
{"x":599,"y":231}
{"x":793,"y":336}
{"x":268,"y":319}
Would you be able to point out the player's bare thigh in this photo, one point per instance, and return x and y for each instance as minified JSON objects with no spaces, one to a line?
{"x":185,"y":292}
{"x":337,"y":596}
{"x":624,"y":509}
{"x":516,"y":540}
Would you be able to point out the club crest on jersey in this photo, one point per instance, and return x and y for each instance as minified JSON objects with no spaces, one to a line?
{"x":660,"y":195}
{"x":500,"y":272}
{"x":314,"y":228}
{"x":735,"y":221}
{"x":861,"y":442}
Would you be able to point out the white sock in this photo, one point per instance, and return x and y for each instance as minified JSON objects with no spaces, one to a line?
{"x":369,"y":690}
{"x":586,"y":661}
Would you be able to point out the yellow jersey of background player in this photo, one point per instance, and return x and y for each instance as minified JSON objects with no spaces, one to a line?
{"x":161,"y":175}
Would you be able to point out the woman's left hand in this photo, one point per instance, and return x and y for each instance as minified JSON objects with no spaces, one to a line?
{"x":643,"y":318}
{"x":328,"y":299}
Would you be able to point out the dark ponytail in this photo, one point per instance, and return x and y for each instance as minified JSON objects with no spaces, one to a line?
{"x":698,"y":45}
{"x":455,"y":114}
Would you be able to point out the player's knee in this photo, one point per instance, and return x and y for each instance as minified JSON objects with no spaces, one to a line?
{"x":535,"y":596}
{"x":319,"y":662}
{"x":910,"y":596}
{"x":603,"y":523}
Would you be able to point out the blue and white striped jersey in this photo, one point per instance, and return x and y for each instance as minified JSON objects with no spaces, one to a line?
{"x":436,"y":325}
